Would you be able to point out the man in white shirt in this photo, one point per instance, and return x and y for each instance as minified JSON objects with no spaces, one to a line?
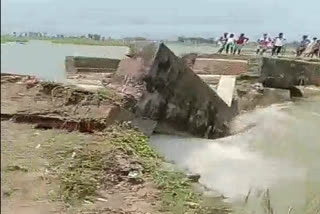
{"x":278,"y":43}
{"x":223,"y":42}
{"x":230,"y":43}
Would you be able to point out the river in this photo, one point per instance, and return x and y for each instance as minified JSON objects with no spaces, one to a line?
{"x":47,"y":60}
{"x":279,"y":151}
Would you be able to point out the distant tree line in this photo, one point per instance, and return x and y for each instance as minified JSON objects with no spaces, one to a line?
{"x":96,"y":37}
{"x":196,"y":40}
{"x":138,"y":38}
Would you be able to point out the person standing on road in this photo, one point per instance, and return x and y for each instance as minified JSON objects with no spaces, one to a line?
{"x":278,"y":43}
{"x":240,"y":43}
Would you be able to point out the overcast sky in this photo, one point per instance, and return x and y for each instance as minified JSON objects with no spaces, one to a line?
{"x":163,"y":18}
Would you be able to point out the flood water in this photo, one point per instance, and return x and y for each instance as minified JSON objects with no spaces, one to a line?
{"x":281,"y":152}
{"x":46,"y":60}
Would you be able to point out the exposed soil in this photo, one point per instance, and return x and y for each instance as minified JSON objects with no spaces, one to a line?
{"x":51,"y":105}
{"x":30,"y":183}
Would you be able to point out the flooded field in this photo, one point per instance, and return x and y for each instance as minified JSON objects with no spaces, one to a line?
{"x":280,"y":153}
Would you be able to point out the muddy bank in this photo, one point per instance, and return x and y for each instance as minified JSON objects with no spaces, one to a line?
{"x":52,"y":105}
{"x":65,"y":150}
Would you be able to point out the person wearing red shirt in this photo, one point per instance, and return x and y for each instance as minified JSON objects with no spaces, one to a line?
{"x":240,"y":43}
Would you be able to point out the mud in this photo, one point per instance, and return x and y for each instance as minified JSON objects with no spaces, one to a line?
{"x":52,"y":105}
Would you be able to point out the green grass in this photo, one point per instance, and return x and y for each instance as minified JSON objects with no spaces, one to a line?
{"x":6,"y":39}
{"x":79,"y":41}
{"x":76,"y":41}
{"x":83,"y":168}
{"x":177,"y":195}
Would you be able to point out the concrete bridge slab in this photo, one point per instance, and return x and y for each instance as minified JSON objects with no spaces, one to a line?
{"x":226,"y":88}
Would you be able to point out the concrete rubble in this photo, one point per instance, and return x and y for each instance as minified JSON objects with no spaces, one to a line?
{"x":286,"y":73}
{"x":175,"y":95}
{"x":160,"y":92}
{"x":169,"y":92}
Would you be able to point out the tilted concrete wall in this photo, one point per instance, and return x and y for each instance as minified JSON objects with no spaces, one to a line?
{"x":220,"y":66}
{"x":180,"y":101}
{"x":287,"y":73}
{"x":225,"y":56}
{"x":90,"y":64}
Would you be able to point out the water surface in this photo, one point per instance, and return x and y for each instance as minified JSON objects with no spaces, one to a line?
{"x":280,"y":153}
{"x":47,"y":60}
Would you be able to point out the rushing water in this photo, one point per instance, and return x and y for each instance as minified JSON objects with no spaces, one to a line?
{"x":281,"y":152}
{"x":47,"y":60}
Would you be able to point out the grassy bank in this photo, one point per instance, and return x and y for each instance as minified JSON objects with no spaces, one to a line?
{"x":79,"y":41}
{"x":6,"y":39}
{"x":75,"y":41}
{"x":90,"y":167}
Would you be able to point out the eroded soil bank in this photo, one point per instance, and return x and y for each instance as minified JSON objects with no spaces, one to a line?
{"x":68,"y":150}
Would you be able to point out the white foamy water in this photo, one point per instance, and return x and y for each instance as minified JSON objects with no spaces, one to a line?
{"x":276,"y":148}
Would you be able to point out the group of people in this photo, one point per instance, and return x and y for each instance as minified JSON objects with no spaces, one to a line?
{"x":265,"y":43}
{"x":232,"y":44}
{"x":229,"y":42}
{"x":308,"y":48}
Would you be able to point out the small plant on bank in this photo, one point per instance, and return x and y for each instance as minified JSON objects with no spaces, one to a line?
{"x":85,"y":168}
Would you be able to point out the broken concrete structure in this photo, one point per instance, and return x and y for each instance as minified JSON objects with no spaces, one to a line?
{"x":287,"y":73}
{"x":169,"y":92}
{"x":169,"y":97}
{"x":90,"y":72}
{"x":220,"y":66}
{"x":281,"y":73}
{"x":226,"y":88}
{"x":256,"y":95}
{"x":90,"y":64}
